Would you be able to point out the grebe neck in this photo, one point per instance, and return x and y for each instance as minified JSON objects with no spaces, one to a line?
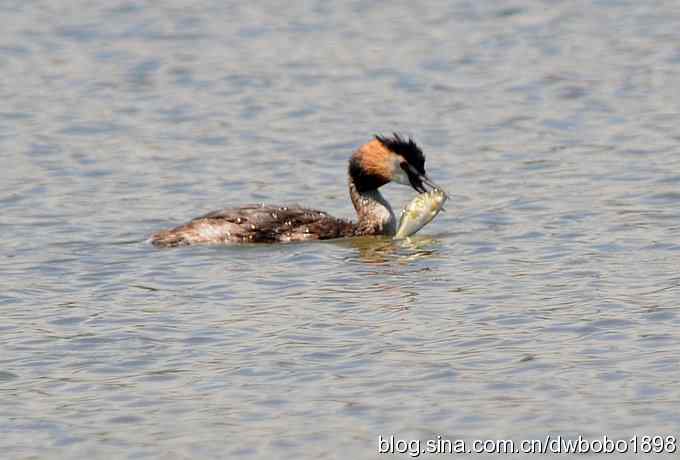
{"x":374,"y":212}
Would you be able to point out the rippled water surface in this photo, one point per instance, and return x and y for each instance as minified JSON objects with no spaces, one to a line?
{"x":544,"y":301}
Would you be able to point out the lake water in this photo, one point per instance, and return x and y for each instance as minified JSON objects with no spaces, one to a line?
{"x":544,"y":301}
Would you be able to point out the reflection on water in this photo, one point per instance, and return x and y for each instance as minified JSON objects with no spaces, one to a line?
{"x":378,"y":250}
{"x":543,"y":302}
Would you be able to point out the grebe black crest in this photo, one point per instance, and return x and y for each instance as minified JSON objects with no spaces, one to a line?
{"x":374,"y":164}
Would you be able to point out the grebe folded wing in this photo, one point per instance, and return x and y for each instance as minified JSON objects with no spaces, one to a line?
{"x":283,"y":223}
{"x":256,"y":224}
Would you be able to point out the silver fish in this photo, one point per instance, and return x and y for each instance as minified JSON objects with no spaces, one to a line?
{"x":420,"y":212}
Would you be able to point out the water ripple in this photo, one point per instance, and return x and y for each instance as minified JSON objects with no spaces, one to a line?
{"x":543,"y":301}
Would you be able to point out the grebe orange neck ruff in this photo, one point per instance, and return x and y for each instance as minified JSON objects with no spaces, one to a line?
{"x":376,"y":163}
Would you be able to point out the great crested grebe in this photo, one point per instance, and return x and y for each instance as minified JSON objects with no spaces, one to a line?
{"x":382,"y":160}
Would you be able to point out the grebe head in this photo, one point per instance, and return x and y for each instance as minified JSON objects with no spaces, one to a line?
{"x":389,"y":159}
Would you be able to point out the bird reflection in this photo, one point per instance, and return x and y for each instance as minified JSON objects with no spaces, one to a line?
{"x":379,"y":250}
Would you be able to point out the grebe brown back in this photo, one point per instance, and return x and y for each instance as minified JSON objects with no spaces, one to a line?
{"x":382,"y":160}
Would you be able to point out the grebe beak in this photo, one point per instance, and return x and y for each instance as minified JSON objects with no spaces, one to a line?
{"x":434,"y":186}
{"x":429,"y":182}
{"x":417,"y":179}
{"x":417,"y":183}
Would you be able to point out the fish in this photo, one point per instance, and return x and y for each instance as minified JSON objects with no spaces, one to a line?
{"x":420,"y":212}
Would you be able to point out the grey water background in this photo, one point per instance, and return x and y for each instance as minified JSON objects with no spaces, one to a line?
{"x":544,"y":301}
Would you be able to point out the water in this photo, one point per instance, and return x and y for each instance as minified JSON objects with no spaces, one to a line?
{"x":545,"y":301}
